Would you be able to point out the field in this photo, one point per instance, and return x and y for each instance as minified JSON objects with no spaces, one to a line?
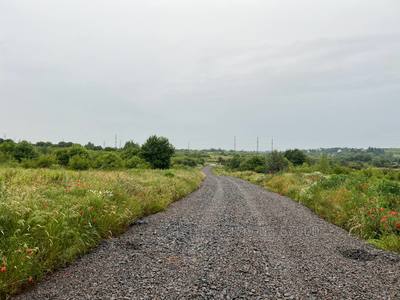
{"x":364,"y":202}
{"x":49,"y":217}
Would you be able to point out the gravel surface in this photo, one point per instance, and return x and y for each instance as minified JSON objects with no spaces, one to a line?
{"x":229,"y":240}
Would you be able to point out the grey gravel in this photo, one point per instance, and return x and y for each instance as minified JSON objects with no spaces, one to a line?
{"x":229,"y":240}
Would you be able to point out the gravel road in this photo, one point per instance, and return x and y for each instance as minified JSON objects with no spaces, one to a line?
{"x":229,"y":240}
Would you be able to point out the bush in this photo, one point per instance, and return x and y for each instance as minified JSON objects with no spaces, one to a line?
{"x":130,"y":150}
{"x":184,"y":161}
{"x":254,"y":163}
{"x":276,"y":162}
{"x":296,"y":157}
{"x":136,"y":162}
{"x":64,"y":155}
{"x":44,"y":161}
{"x":157,"y":151}
{"x":79,"y":163}
{"x":109,"y":161}
{"x":234,"y":162}
{"x":24,"y":151}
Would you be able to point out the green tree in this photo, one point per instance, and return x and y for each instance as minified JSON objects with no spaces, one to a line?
{"x":157,"y":151}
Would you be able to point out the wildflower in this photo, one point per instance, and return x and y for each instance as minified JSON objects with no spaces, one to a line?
{"x":3,"y":269}
{"x":398,"y":225}
{"x":393,"y":213}
{"x":384,"y":219}
{"x":382,"y":209}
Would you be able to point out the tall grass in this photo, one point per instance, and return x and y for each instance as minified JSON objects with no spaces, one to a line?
{"x":49,"y":217}
{"x":366,"y":202}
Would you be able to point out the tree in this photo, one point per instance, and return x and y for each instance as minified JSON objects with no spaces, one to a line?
{"x":157,"y":151}
{"x":296,"y":156}
{"x":276,"y":162}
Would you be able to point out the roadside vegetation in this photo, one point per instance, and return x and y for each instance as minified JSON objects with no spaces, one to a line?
{"x":356,"y":195}
{"x":58,"y":201}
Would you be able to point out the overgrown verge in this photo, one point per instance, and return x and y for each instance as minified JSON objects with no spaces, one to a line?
{"x":365,"y":202}
{"x":49,"y":217}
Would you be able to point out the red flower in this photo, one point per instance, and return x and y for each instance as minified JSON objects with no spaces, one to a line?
{"x":398,"y":225}
{"x":384,"y":219}
{"x":393,"y":213}
{"x":3,"y":269}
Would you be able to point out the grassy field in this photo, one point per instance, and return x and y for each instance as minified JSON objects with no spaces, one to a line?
{"x":365,"y":202}
{"x":49,"y":217}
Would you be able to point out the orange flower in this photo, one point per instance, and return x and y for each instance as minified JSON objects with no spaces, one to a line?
{"x":3,"y":269}
{"x":393,"y":213}
{"x":384,"y":219}
{"x":382,"y":209}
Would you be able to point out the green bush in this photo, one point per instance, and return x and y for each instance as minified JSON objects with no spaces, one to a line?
{"x":157,"y":151}
{"x":276,"y":162}
{"x":108,"y":161}
{"x":296,"y":157}
{"x":136,"y":162}
{"x":254,"y":163}
{"x":78,"y":162}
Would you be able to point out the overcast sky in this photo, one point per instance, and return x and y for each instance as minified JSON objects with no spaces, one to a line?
{"x":310,"y":73}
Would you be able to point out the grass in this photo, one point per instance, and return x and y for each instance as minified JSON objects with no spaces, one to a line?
{"x":366,"y":202}
{"x":50,"y":217}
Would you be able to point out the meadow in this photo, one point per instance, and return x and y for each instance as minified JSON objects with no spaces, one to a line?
{"x":49,"y":217}
{"x":365,"y":202}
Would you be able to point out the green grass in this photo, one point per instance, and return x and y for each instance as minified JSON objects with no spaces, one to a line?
{"x":366,"y":202}
{"x":49,"y":217}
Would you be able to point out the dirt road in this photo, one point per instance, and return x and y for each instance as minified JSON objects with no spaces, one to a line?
{"x":229,"y":240}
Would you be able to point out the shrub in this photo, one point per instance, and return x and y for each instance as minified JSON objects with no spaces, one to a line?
{"x":184,"y":161}
{"x":296,"y":156}
{"x":254,"y":163}
{"x":109,"y":161}
{"x":136,"y":162}
{"x":24,"y":151}
{"x":77,"y":162}
{"x":276,"y":162}
{"x":157,"y":151}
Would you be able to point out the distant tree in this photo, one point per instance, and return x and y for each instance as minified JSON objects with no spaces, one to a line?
{"x":157,"y":151}
{"x":91,"y":146}
{"x":277,"y":162}
{"x":63,"y":144}
{"x":296,"y":157}
{"x":64,"y":155}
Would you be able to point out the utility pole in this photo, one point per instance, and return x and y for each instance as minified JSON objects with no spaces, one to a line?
{"x":116,"y":141}
{"x":188,"y":146}
{"x":104,"y":144}
{"x":258,"y":144}
{"x":272,"y":145}
{"x":234,"y":143}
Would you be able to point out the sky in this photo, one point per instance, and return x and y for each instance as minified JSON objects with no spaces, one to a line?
{"x":308,"y":73}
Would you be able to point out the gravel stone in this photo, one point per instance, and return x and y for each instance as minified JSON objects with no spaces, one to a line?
{"x":229,"y":240}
